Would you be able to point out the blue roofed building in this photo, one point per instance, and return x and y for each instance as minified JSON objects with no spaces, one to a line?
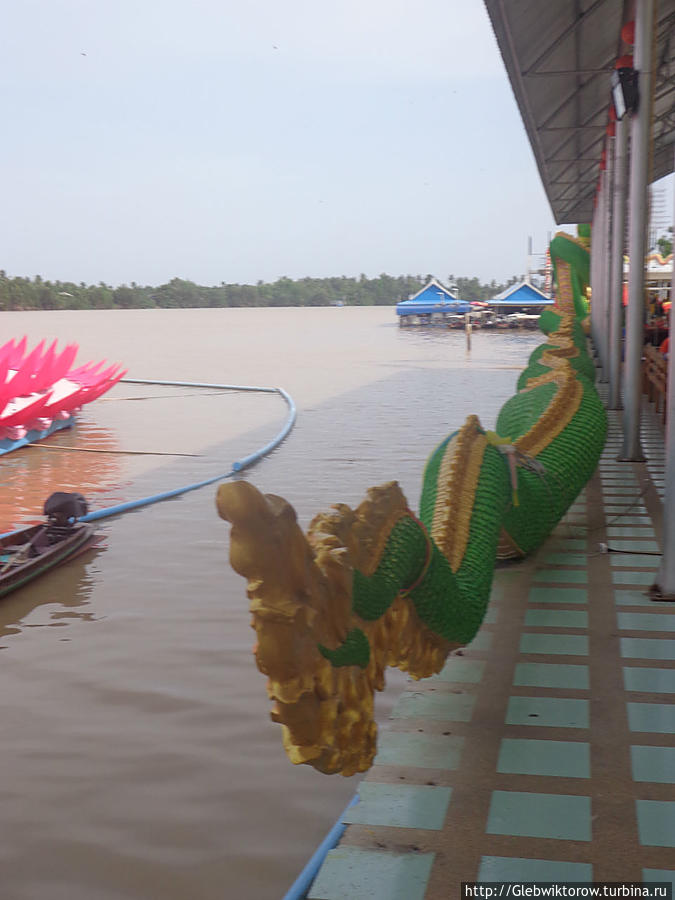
{"x":522,"y":297}
{"x":434,"y":299}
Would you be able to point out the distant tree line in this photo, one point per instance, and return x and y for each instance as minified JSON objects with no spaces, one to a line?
{"x":35,"y":293}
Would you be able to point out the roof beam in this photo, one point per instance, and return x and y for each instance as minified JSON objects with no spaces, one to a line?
{"x":562,"y":36}
{"x":581,"y":180}
{"x":572,"y":159}
{"x":570,"y":127}
{"x":592,"y":160}
{"x":570,"y":99}
{"x":547,"y":72}
{"x":583,"y":125}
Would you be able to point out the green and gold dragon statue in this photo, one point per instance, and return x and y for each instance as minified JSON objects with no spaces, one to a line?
{"x":382,"y":586}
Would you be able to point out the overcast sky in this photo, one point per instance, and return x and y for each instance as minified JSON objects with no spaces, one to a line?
{"x":226,"y":140}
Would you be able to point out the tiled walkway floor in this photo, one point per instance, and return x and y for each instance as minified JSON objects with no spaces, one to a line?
{"x":546,"y":749}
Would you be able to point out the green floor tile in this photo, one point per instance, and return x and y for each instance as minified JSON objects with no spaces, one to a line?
{"x":482,"y":641}
{"x":655,"y":764}
{"x":557,"y":595}
{"x":656,"y":822}
{"x":552,"y":712}
{"x":635,"y":531}
{"x":559,"y":542}
{"x":506,"y":868}
{"x":633,"y":519}
{"x":649,"y":681}
{"x":654,"y":718}
{"x":400,"y":805}
{"x":565,"y":759}
{"x":552,"y":675}
{"x":560,"y":816}
{"x":621,"y":491}
{"x":632,"y":597}
{"x":430,"y":751}
{"x":623,"y":576}
{"x":559,"y":644}
{"x":497,"y":591}
{"x":557,"y":618}
{"x":660,"y":875}
{"x":561,"y":576}
{"x":634,"y":546}
{"x":648,"y":648}
{"x":459,"y":669}
{"x":349,"y":873}
{"x":634,"y":561}
{"x":436,"y":705}
{"x":564,"y":559}
{"x":646,"y":621}
{"x":490,"y":616}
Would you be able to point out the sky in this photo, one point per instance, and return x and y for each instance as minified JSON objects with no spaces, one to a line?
{"x":234,"y":141}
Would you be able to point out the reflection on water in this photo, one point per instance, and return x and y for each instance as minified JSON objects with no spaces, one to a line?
{"x":30,"y":475}
{"x":139,"y":760}
{"x":53,"y":599}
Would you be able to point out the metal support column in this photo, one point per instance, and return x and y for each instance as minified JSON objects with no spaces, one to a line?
{"x":637,"y":245}
{"x":616,"y":274}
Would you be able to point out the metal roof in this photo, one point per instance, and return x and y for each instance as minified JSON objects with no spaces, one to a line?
{"x":559,"y":56}
{"x":523,"y":292}
{"x":435,"y":285}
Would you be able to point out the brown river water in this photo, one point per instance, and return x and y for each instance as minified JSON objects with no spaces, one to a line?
{"x":138,"y":760}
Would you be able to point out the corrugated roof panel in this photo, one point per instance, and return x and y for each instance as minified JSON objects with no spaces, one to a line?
{"x":559,"y":57}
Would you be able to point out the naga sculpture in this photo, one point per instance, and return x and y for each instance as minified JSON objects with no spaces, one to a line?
{"x":382,"y":586}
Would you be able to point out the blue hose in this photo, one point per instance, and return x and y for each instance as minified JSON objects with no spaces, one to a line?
{"x":303,"y":882}
{"x":237,"y":466}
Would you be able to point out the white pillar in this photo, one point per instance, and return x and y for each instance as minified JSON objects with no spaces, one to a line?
{"x":666,"y":576}
{"x":606,"y":263}
{"x":598,"y":289}
{"x":637,"y":246}
{"x":616,"y":276}
{"x":594,"y":274}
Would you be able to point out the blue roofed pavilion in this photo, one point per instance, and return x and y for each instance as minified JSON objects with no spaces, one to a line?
{"x":432,"y":298}
{"x":522,"y":296}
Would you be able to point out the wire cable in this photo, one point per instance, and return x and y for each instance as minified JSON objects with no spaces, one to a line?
{"x":236,"y":467}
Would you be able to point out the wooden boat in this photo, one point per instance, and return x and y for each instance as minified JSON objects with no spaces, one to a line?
{"x":30,"y":552}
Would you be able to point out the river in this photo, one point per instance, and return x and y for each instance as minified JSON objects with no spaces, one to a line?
{"x":138,"y":758}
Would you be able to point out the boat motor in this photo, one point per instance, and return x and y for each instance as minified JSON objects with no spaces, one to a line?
{"x":62,"y":511}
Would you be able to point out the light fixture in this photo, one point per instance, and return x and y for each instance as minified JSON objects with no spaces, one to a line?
{"x":624,"y":87}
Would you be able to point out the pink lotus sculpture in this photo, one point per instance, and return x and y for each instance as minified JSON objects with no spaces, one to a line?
{"x":40,"y":393}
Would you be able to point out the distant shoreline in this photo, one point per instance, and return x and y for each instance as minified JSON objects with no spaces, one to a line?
{"x":21,"y":294}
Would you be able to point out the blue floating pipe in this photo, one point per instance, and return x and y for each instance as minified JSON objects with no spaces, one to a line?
{"x":237,"y":466}
{"x":303,"y":882}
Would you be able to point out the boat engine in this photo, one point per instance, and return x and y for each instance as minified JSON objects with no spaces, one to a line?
{"x":62,"y":511}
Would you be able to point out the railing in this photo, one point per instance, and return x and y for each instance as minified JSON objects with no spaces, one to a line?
{"x":655,"y":379}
